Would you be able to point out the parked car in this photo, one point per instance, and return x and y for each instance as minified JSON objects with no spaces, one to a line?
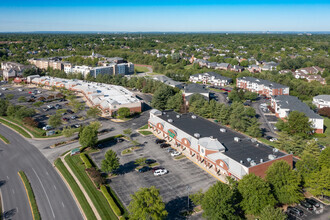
{"x":3,"y":88}
{"x":144,"y":169}
{"x":50,"y":106}
{"x":77,"y":125}
{"x":157,"y":168}
{"x":175,"y":153}
{"x":73,"y":117}
{"x":170,"y":150}
{"x":306,"y":204}
{"x":45,"y":109}
{"x":57,"y":106}
{"x":313,"y":203}
{"x":47,"y":128}
{"x":164,"y":145}
{"x":160,"y":172}
{"x":273,"y":139}
{"x":295,"y":211}
{"x":65,"y":119}
{"x":150,"y":161}
{"x":69,"y":111}
{"x":159,"y":141}
{"x":20,"y":90}
{"x":119,"y":140}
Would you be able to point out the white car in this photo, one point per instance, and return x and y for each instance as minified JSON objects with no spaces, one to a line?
{"x":3,"y":88}
{"x":20,"y":90}
{"x":160,"y":172}
{"x":175,"y":153}
{"x":38,"y":92}
{"x":47,"y":127}
{"x":273,"y":139}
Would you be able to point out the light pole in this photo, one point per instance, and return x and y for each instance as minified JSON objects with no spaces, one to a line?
{"x":188,"y":189}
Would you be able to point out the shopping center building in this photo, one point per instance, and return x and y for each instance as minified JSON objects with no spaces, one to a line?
{"x":215,"y":148}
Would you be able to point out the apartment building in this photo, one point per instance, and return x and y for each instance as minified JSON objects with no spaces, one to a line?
{"x":284,"y":104}
{"x":212,"y":78}
{"x":322,"y":101}
{"x":43,"y":63}
{"x":219,"y":150}
{"x":261,"y":86}
{"x":13,"y":69}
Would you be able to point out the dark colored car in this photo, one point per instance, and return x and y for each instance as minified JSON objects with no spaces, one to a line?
{"x":57,"y":106}
{"x":295,"y":211}
{"x":306,"y":205}
{"x":144,"y":169}
{"x":65,"y":119}
{"x":150,"y":161}
{"x":164,"y":145}
{"x":159,"y":141}
{"x":119,"y":140}
{"x":313,"y":203}
{"x":69,"y":111}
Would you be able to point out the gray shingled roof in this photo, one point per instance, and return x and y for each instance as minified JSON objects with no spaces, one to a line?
{"x":294,"y":104}
{"x":264,"y":82}
{"x":195,"y":88}
{"x":323,"y":97}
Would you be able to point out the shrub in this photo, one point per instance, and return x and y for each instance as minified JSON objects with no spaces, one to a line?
{"x":86,"y":161}
{"x":110,"y":200}
{"x":324,"y":111}
{"x":30,"y":121}
{"x":96,"y":176}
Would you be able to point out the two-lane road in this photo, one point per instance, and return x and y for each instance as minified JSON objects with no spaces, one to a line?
{"x":53,"y":198}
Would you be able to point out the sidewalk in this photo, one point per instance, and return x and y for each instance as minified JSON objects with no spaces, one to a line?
{"x":81,"y":187}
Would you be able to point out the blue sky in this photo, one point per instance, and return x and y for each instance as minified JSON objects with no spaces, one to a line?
{"x":171,"y":15}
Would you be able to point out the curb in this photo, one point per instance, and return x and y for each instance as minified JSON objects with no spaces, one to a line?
{"x":1,"y":205}
{"x":26,"y":194}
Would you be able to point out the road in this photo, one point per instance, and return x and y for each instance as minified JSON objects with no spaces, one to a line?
{"x":53,"y":198}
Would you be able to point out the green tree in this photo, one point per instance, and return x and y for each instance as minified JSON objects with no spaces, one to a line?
{"x":110,"y":162}
{"x":318,"y":183}
{"x":285,"y":182}
{"x":324,"y":159}
{"x":123,"y":112}
{"x":9,"y":96}
{"x":68,"y":132}
{"x":219,"y":202}
{"x":88,"y":136}
{"x":147,"y":204}
{"x":307,"y":165}
{"x":297,"y":124}
{"x":291,"y":144}
{"x":128,"y":132}
{"x":3,"y":106}
{"x":21,"y":99}
{"x":140,"y":161}
{"x":11,"y":110}
{"x":93,"y":112}
{"x":197,"y":197}
{"x":271,"y":213}
{"x":256,"y":194}
{"x":175,"y":102}
{"x":55,"y":120}
{"x":160,"y":97}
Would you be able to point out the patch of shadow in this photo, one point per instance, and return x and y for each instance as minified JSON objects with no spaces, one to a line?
{"x":176,"y":206}
{"x":2,"y":182}
{"x":126,"y":168}
{"x":9,"y":214}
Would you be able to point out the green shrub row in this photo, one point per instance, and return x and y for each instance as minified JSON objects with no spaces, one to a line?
{"x":86,"y":161}
{"x":110,"y":200}
{"x":31,"y":197}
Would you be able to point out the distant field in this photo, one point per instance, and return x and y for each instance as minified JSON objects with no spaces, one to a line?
{"x":141,"y":69}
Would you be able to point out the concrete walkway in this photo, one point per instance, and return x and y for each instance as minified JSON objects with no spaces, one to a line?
{"x":81,"y":187}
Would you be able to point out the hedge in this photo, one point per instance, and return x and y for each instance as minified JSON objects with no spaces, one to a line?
{"x":86,"y":161}
{"x":111,"y":202}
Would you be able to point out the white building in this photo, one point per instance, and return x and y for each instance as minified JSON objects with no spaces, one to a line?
{"x":211,"y":78}
{"x":322,"y":101}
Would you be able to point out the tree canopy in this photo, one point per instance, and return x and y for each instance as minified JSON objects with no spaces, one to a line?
{"x":110,"y":162}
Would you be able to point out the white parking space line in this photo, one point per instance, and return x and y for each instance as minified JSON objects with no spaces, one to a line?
{"x":13,"y":191}
{"x":8,"y":177}
{"x":54,"y":187}
{"x":63,"y":205}
{"x":51,"y":208}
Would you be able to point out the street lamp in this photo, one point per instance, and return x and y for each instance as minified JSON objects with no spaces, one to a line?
{"x":188,"y":189}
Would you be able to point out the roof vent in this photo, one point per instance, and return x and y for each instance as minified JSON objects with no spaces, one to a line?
{"x":193,"y":117}
{"x":241,"y":161}
{"x":237,"y":139}
{"x":164,"y":113}
{"x":177,"y":116}
{"x":197,"y":135}
{"x":252,"y":163}
{"x":170,"y":120}
{"x":253,"y":140}
{"x":223,"y":130}
{"x":271,"y":156}
{"x":211,"y":137}
{"x":261,"y":160}
{"x":248,"y":159}
{"x":275,"y":150}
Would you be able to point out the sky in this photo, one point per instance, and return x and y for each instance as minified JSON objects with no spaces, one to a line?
{"x":164,"y":15}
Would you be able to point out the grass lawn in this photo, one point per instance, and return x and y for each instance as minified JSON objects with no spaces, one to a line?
{"x":141,"y":69}
{"x":145,"y":132}
{"x":4,"y":139}
{"x":76,"y":190}
{"x":216,"y":90}
{"x":144,"y":127}
{"x":326,"y":140}
{"x":153,"y":73}
{"x":30,"y":194}
{"x":99,"y":201}
{"x":188,"y":67}
{"x":265,"y":141}
{"x":16,"y":128}
{"x":126,"y":151}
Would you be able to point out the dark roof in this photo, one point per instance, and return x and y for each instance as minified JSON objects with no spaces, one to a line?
{"x":263,"y":82}
{"x":236,"y":150}
{"x":294,"y":104}
{"x":195,"y":88}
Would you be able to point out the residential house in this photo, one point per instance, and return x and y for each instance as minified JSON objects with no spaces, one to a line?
{"x":195,"y":88}
{"x":212,"y":78}
{"x":322,"y":101}
{"x":168,"y":81}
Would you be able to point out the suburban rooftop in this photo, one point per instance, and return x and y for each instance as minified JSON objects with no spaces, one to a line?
{"x":263,"y":82}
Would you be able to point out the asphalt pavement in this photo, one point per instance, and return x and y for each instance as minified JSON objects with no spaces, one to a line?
{"x":53,"y":198}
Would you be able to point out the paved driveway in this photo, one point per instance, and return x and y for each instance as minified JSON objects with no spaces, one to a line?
{"x":172,"y":186}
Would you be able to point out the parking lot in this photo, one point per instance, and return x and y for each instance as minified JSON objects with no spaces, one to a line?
{"x":321,"y":213}
{"x":48,"y":106}
{"x":172,"y":186}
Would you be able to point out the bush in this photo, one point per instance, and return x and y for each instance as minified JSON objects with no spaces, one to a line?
{"x":110,"y":200}
{"x":96,"y":176}
{"x":31,"y":122}
{"x":86,"y":161}
{"x":123,"y":112}
{"x":324,"y":111}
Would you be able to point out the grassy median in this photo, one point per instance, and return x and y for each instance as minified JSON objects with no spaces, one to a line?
{"x":16,"y":128}
{"x":76,"y":190}
{"x":30,"y":194}
{"x":99,"y":201}
{"x":5,"y":140}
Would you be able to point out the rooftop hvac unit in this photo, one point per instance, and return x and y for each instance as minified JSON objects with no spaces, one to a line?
{"x":211,"y":137}
{"x":197,"y":135}
{"x":237,"y":139}
{"x":241,"y":161}
{"x":275,"y":150}
{"x":170,"y":120}
{"x":223,"y":130}
{"x":271,"y":156}
{"x":261,"y":160}
{"x":164,"y":113}
{"x":193,"y":117}
{"x":248,"y":159}
{"x":177,"y":116}
{"x":252,"y":163}
{"x":253,"y":140}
